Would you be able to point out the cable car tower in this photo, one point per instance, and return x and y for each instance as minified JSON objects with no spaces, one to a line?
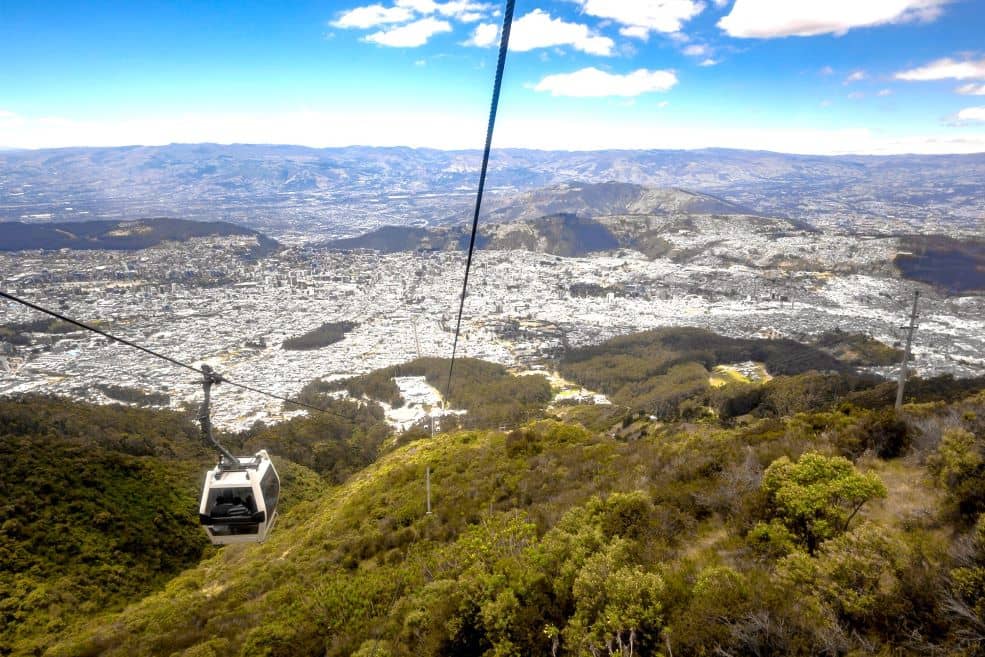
{"x":239,"y":497}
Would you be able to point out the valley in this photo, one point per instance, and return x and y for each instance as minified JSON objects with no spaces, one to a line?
{"x":635,"y":259}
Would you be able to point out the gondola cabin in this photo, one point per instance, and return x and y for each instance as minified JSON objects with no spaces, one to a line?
{"x":239,"y":503}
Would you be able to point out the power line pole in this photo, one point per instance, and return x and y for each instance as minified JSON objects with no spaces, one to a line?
{"x":906,"y":354}
{"x":427,"y":480}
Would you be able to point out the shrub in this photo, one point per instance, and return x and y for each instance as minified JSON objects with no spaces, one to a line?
{"x":959,"y":468}
{"x":817,"y":496}
{"x":882,"y":432}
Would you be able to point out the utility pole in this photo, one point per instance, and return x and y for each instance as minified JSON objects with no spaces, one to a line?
{"x":427,"y":481}
{"x":906,"y":354}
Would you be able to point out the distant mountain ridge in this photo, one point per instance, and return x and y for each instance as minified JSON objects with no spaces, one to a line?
{"x":271,"y":186}
{"x":577,"y":219}
{"x":120,"y":235}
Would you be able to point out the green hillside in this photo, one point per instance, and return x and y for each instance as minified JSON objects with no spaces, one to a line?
{"x":99,"y":508}
{"x":492,"y":396}
{"x":789,"y":536}
{"x":797,"y":515}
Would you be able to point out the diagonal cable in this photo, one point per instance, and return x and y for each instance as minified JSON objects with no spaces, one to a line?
{"x":173,"y":361}
{"x":500,"y":65}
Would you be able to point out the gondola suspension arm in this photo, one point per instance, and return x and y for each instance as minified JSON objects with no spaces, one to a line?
{"x":209,"y":378}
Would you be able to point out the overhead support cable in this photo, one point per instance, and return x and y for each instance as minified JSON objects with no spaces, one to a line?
{"x":204,"y":370}
{"x":494,"y":106}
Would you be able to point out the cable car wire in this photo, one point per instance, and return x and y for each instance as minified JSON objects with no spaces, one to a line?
{"x":90,"y":327}
{"x":500,"y":65}
{"x":156,"y":354}
{"x":494,"y":106}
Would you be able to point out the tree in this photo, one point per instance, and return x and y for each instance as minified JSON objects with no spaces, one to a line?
{"x":817,"y":497}
{"x":617,"y":605}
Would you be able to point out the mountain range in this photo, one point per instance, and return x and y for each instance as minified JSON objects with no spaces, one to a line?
{"x":576,"y":219}
{"x":348,"y":190}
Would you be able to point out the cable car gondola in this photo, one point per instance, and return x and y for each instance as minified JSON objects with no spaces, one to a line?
{"x":239,"y":497}
{"x":239,"y":501}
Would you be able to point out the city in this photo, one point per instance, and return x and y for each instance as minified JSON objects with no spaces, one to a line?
{"x":202,"y":302}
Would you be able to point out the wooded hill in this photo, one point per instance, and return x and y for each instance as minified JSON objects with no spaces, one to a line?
{"x":491,"y":395}
{"x":787,"y":537}
{"x":816,"y":521}
{"x":120,"y":235}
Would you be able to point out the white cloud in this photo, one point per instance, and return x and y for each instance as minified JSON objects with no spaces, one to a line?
{"x":946,"y":69}
{"x":971,"y":115}
{"x":463,"y":10}
{"x":721,"y":3}
{"x":645,"y":16}
{"x":485,"y":35}
{"x":403,"y":11}
{"x":635,"y":32}
{"x":420,"y":6}
{"x":885,"y":92}
{"x":826,"y":70}
{"x":538,"y":30}
{"x":372,"y":15}
{"x":766,"y":19}
{"x":855,"y":76}
{"x":856,"y":95}
{"x":410,"y":35}
{"x":591,"y":82}
{"x":708,"y":62}
{"x":971,"y":89}
{"x":695,"y":50}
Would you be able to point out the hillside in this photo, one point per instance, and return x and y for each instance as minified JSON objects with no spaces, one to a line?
{"x":394,"y":239}
{"x":562,"y":235}
{"x":610,"y":198}
{"x":100,"y":509}
{"x":657,"y":371}
{"x":121,"y":235}
{"x":490,"y":395}
{"x":801,"y":499}
{"x":97,"y":511}
{"x":775,"y":538}
{"x":578,"y":219}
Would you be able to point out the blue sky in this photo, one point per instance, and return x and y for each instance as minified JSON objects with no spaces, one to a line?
{"x":809,"y":76}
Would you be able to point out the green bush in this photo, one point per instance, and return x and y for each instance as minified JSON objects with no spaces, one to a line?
{"x":881,"y":432}
{"x":959,"y":468}
{"x":817,"y":496}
